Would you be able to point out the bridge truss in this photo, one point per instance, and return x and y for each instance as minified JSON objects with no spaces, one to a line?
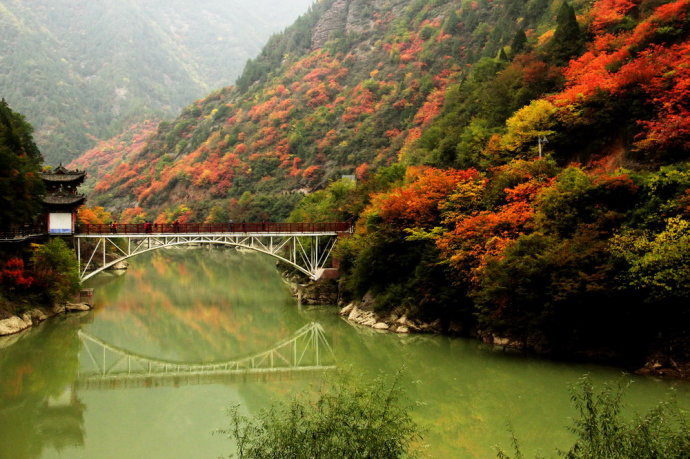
{"x":307,"y":252}
{"x":105,"y":366}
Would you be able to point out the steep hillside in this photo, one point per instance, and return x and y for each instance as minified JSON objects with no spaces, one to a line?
{"x":349,"y":87}
{"x":106,"y":155}
{"x":83,"y":70}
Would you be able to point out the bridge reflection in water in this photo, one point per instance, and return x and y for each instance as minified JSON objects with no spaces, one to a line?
{"x":306,"y":352}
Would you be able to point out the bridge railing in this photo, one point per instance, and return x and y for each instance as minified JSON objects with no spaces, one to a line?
{"x":20,"y":232}
{"x":196,"y":228}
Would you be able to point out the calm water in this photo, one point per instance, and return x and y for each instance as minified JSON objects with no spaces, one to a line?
{"x":201,"y":306}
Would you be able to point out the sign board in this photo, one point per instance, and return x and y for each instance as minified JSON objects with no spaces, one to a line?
{"x":60,"y":223}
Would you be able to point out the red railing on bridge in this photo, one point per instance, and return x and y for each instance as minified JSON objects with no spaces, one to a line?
{"x":194,"y":228}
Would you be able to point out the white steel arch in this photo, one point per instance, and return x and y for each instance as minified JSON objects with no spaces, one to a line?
{"x":306,"y":252}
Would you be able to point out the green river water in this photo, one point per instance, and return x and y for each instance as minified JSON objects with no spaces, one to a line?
{"x":201,"y":306}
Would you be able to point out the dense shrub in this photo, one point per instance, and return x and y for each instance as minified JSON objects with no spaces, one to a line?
{"x":603,"y":432}
{"x":350,"y":419}
{"x":55,"y":268}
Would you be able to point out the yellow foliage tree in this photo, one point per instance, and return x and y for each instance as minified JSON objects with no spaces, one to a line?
{"x":527,"y":125}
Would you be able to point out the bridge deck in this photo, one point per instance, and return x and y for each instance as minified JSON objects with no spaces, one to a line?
{"x":236,"y":229}
{"x":9,"y":237}
{"x":154,"y":235}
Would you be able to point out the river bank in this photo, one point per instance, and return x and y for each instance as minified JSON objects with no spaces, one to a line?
{"x":13,"y":323}
{"x":658,"y":363}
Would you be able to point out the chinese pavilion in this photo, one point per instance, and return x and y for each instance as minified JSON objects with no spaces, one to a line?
{"x":62,"y":200}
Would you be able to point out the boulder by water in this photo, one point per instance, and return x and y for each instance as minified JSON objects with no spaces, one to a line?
{"x":18,"y":323}
{"x":398,"y":324}
{"x":13,"y":325}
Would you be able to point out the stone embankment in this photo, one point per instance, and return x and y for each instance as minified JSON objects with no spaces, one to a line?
{"x":15,"y":324}
{"x":362,"y":314}
{"x":317,"y":293}
{"x":665,"y":366}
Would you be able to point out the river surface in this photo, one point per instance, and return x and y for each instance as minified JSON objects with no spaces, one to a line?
{"x":94,"y":385}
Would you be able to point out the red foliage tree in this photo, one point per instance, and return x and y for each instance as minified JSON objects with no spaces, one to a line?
{"x":608,"y":12}
{"x":14,"y":276}
{"x":646,"y":59}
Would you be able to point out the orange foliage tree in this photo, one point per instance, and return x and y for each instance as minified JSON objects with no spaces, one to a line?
{"x":482,"y":220}
{"x":475,"y":237}
{"x":94,"y":215}
{"x":133,"y":215}
{"x":416,"y":202}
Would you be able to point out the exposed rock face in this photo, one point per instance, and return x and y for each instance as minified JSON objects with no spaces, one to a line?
{"x":357,"y":22}
{"x":120,"y":265}
{"x":35,"y":316}
{"x":323,"y":291}
{"x":331,"y":22}
{"x":74,"y":307}
{"x":662,"y":365}
{"x":347,"y":17}
{"x":499,"y":341}
{"x":320,"y":292}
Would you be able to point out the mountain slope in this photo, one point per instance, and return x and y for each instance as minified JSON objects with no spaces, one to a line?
{"x":350,"y":85}
{"x":81,"y":70}
{"x":353,"y":86}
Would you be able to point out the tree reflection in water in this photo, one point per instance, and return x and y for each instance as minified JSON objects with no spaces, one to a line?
{"x":37,"y":399}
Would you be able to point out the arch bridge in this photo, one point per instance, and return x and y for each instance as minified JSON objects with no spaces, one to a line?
{"x":304,"y":246}
{"x":109,"y":367}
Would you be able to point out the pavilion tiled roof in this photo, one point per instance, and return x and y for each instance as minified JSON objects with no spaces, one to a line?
{"x":64,"y":199}
{"x":63,"y":175}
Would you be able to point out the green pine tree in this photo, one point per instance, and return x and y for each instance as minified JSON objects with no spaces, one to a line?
{"x":452,"y":23}
{"x":518,"y":43}
{"x":21,"y":187}
{"x":567,"y":40}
